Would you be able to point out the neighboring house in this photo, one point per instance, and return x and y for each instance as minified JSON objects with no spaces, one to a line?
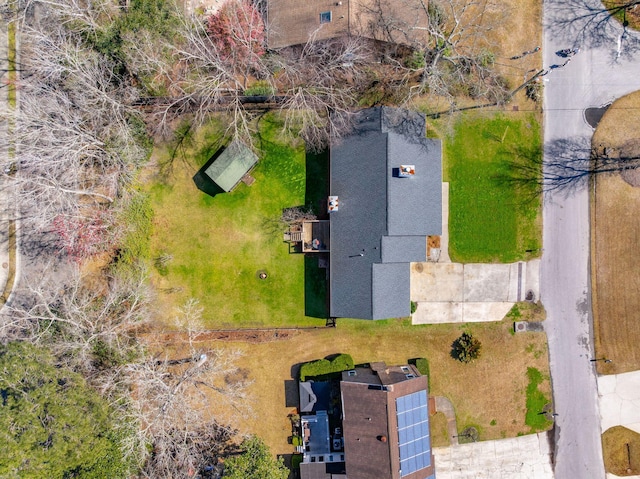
{"x":383,"y":428}
{"x":292,"y":22}
{"x":226,"y":168}
{"x":386,"y":180}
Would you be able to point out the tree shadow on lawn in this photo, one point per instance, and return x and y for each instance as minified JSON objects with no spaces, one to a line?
{"x":295,"y":371}
{"x":316,"y":193}
{"x":315,"y":287}
{"x":202,"y":180}
{"x":317,"y":182}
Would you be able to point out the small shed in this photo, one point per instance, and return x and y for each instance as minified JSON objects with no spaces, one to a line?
{"x":235,"y":161}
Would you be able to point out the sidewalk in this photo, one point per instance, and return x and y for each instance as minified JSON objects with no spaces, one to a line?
{"x":620,"y":400}
{"x":5,"y":207}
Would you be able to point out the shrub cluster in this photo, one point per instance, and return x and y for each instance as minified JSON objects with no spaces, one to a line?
{"x":466,"y":348}
{"x":342,"y":362}
{"x":422,"y":365}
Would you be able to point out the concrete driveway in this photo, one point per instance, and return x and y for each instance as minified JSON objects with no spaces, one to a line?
{"x":453,"y":292}
{"x":524,"y":457}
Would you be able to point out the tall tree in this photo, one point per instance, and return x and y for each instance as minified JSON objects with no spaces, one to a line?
{"x":238,"y":32}
{"x":51,"y":423}
{"x":255,"y":462}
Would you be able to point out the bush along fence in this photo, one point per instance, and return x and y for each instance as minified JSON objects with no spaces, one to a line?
{"x":321,"y":367}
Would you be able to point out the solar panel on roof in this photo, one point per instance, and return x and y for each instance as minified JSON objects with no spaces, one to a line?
{"x":413,"y":432}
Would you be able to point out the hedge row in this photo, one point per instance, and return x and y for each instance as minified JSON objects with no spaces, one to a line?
{"x":422,"y":365}
{"x":321,"y":367}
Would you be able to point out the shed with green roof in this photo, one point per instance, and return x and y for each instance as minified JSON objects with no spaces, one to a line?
{"x":235,"y":161}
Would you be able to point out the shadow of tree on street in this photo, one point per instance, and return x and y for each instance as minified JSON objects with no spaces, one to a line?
{"x":567,"y":165}
{"x":588,"y":23}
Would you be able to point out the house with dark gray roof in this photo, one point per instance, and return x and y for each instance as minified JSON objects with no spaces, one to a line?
{"x":386,"y":198}
{"x":384,"y":429}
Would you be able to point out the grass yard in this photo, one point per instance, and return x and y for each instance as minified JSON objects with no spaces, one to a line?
{"x":214,"y":248}
{"x":439,"y":432}
{"x":489,"y":393}
{"x":624,"y":11}
{"x":527,"y":311}
{"x":615,"y":229}
{"x":621,"y":451}
{"x":492,"y":219}
{"x":537,"y":402}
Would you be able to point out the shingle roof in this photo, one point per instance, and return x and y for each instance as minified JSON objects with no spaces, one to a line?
{"x":316,"y":470}
{"x":383,"y":220}
{"x":232,"y":164}
{"x":292,"y":22}
{"x":370,"y":422}
{"x":307,"y":397}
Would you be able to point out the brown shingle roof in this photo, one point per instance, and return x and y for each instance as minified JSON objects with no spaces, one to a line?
{"x":370,"y":423}
{"x":293,"y":22}
{"x":314,"y":470}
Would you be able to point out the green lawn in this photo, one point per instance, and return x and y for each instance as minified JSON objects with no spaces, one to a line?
{"x":492,"y":219}
{"x":218,"y":245}
{"x":537,"y":402}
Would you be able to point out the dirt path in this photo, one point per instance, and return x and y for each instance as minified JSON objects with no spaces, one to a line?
{"x":234,"y":335}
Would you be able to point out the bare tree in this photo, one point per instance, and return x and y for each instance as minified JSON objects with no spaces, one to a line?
{"x":90,"y":328}
{"x":459,"y":59}
{"x":180,"y":408}
{"x":201,"y":80}
{"x":396,"y":22}
{"x":75,"y":136}
{"x":181,"y":404}
{"x":320,"y":82}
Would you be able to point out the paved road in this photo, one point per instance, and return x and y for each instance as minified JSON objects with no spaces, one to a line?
{"x":595,"y":76}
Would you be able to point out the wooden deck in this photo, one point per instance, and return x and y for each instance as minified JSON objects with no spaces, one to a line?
{"x":315,"y":236}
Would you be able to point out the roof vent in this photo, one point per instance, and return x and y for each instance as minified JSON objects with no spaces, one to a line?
{"x":407,"y":171}
{"x":332,"y":204}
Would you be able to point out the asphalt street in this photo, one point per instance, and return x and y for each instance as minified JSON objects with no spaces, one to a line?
{"x":602,"y":71}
